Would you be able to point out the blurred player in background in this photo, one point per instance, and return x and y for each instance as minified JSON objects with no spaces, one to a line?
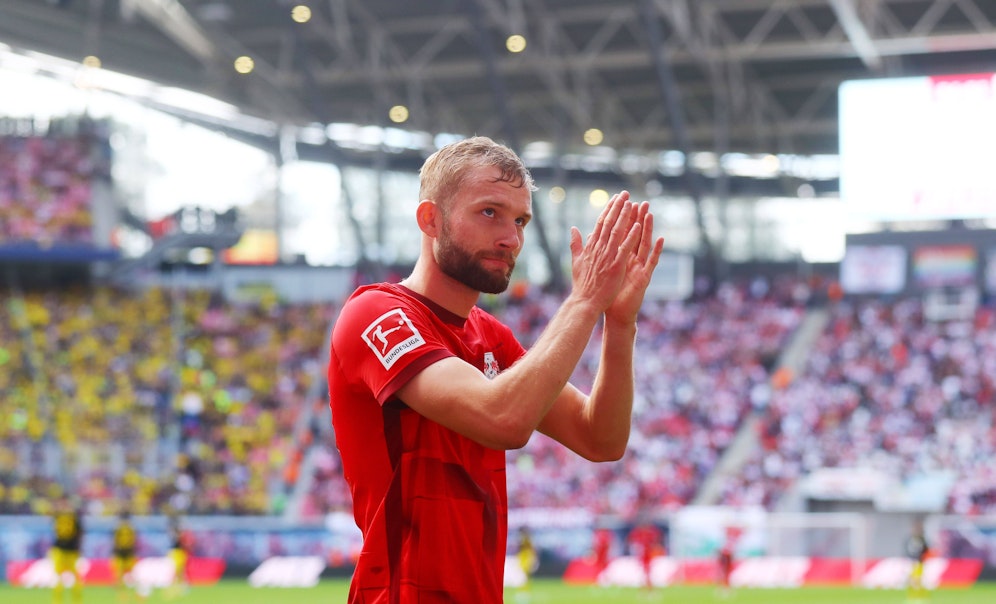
{"x":917,"y":549}
{"x":65,"y":552}
{"x":601,"y":550}
{"x":528,"y":556}
{"x":427,"y":390}
{"x":123,"y":558}
{"x":179,"y":554}
{"x":724,"y":561}
{"x":645,"y":544}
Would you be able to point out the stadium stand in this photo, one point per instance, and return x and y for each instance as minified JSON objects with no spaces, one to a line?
{"x":45,"y":187}
{"x":884,"y":388}
{"x":154,"y":399}
{"x":166,"y":383}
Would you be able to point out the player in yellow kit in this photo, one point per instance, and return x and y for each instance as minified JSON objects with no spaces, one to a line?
{"x":124,"y":557}
{"x":528,"y":556}
{"x":179,"y":553}
{"x":65,"y":552}
{"x":917,"y":550}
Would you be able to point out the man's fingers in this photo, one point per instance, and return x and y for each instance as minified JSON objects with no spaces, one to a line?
{"x":645,"y":218}
{"x":615,"y":211}
{"x":576,"y":244}
{"x":656,"y":255}
{"x":632,"y":240}
{"x":600,"y":222}
{"x":649,"y":250}
{"x":624,"y":221}
{"x":609,"y":214}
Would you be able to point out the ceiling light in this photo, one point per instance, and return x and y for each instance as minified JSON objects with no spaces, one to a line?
{"x":598,"y":198}
{"x":301,"y":13}
{"x":398,"y":114}
{"x":593,"y":136}
{"x":558,"y":194}
{"x":244,"y":64}
{"x":515,"y":43}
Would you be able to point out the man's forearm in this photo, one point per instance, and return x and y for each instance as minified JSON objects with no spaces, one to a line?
{"x":540,"y":375}
{"x":610,"y":405}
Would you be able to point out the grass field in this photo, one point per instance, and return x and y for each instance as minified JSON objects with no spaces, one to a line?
{"x":542,"y":592}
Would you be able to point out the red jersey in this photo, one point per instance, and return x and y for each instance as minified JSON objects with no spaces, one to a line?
{"x":725,"y":564}
{"x":431,"y":503}
{"x":603,"y":543}
{"x":645,"y":541}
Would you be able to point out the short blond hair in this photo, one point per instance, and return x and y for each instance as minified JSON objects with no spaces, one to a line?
{"x":445,"y":170}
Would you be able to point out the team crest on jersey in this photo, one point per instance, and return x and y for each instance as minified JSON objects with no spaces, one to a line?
{"x":490,"y":365}
{"x":391,"y":335}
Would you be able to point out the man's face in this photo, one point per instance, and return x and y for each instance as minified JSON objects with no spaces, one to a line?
{"x":482,"y":233}
{"x":466,"y":266}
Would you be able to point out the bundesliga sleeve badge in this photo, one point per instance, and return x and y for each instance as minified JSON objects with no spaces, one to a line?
{"x":391,"y":335}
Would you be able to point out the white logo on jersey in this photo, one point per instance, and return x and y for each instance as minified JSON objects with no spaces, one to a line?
{"x":391,"y":335}
{"x":490,"y":365}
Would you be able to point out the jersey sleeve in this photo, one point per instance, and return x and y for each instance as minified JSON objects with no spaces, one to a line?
{"x":381,"y":340}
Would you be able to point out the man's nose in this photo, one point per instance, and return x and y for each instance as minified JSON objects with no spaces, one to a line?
{"x":510,"y":237}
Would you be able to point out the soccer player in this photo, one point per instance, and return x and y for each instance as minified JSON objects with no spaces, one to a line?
{"x":179,"y":553}
{"x":65,"y":551}
{"x":527,"y":555}
{"x":427,"y":390}
{"x":601,"y":550}
{"x":645,"y":544}
{"x":123,"y":558}
{"x":917,"y":550}
{"x":724,"y":562}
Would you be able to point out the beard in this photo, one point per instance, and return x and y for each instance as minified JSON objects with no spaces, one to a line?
{"x":462,"y":265}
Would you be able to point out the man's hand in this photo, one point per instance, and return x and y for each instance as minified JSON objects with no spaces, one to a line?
{"x":600,"y":265}
{"x":640,"y":268}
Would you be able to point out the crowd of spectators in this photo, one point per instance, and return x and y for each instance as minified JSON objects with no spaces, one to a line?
{"x":152,"y":400}
{"x":162,"y":399}
{"x":885,"y":389}
{"x":46,"y":183}
{"x":94,"y":383}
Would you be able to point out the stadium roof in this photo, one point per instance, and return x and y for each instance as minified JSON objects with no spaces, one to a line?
{"x":753,"y":76}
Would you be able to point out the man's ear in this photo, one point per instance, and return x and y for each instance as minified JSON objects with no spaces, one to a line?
{"x":428,"y":217}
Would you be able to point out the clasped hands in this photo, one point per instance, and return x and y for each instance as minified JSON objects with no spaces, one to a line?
{"x":613,"y":266}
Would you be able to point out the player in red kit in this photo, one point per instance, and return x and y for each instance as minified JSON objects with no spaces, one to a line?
{"x":724,"y":565}
{"x":427,"y":390}
{"x":601,"y":548}
{"x":645,"y":544}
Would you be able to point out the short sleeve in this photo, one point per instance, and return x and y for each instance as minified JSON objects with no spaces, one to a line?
{"x":381,"y":340}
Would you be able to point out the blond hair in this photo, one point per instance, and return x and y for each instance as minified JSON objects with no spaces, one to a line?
{"x":445,"y":170}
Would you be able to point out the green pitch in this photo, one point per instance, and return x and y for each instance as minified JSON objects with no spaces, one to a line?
{"x":541,"y":592}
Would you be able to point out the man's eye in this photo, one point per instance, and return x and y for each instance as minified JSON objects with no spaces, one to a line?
{"x":489,"y":212}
